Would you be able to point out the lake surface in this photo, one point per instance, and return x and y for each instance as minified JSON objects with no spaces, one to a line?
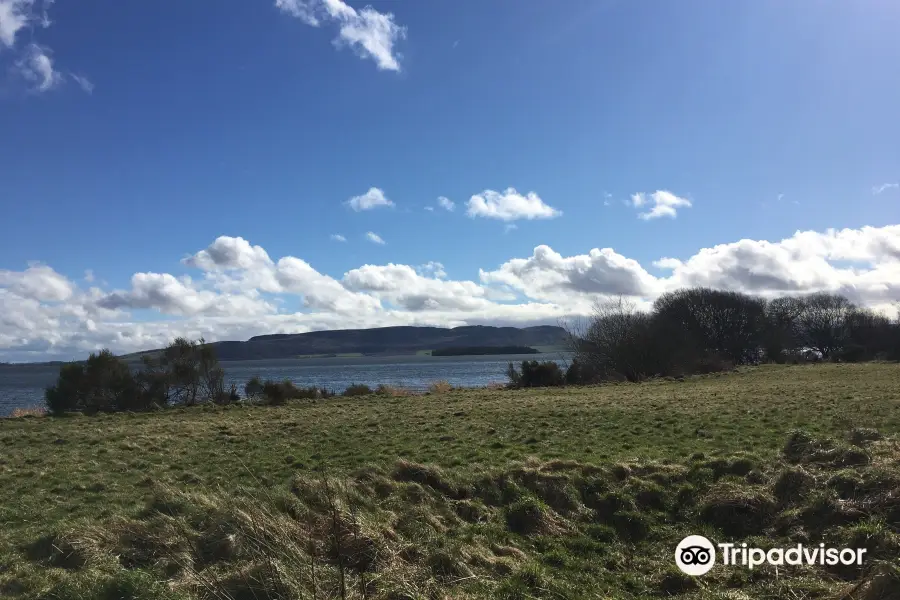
{"x":23,"y":386}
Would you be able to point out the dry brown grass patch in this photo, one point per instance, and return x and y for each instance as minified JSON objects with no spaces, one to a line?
{"x":31,"y":411}
{"x":440,"y":387}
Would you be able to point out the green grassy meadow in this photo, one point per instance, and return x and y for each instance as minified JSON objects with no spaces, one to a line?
{"x":577,"y":492}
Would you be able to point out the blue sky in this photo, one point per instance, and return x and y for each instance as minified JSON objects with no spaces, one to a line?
{"x":136,"y":134}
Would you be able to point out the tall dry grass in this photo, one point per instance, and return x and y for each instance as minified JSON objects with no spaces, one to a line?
{"x":30,"y":411}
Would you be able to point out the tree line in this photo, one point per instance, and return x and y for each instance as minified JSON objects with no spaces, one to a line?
{"x":185,"y":372}
{"x":696,"y":330}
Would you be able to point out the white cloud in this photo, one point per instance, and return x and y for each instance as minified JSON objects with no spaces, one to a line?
{"x":510,"y":205}
{"x":83,"y":82}
{"x":45,"y":315}
{"x":336,"y":237}
{"x":37,"y":282}
{"x":878,"y":189}
{"x":174,"y":296}
{"x":371,"y":199}
{"x":15,"y":15}
{"x":36,"y":67}
{"x":374,"y":238}
{"x":89,"y":275}
{"x":546,"y":275}
{"x":664,"y":204}
{"x":369,"y":33}
{"x":32,"y":62}
{"x":429,"y":208}
{"x":406,"y":289}
{"x":230,"y":253}
{"x":322,"y":292}
{"x":446,"y":203}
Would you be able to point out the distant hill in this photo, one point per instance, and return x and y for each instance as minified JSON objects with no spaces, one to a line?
{"x":386,"y":341}
{"x":483,"y":350}
{"x":382,"y":341}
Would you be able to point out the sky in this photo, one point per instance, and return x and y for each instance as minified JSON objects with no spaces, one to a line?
{"x":230,"y":168}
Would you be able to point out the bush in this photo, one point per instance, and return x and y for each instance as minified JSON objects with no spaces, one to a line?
{"x":358,"y":389}
{"x":103,"y":383}
{"x":580,"y":373}
{"x":254,"y":387}
{"x":277,"y":393}
{"x":701,"y":330}
{"x":229,"y":397}
{"x":536,"y":374}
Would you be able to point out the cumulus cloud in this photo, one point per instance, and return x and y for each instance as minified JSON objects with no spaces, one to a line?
{"x":547,"y":275}
{"x":374,"y":198}
{"x":661,"y":203}
{"x":37,"y":282}
{"x":230,"y":253}
{"x":446,"y":203}
{"x":510,"y":205}
{"x":878,"y":189}
{"x":802,"y":263}
{"x":320,"y":291}
{"x":371,"y":34}
{"x":240,"y":288}
{"x":336,"y":237}
{"x":404,"y":288}
{"x":174,"y":296}
{"x":375,"y":238}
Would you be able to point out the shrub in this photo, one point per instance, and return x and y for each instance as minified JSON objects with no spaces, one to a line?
{"x":102,"y":383}
{"x":68,"y":393}
{"x":277,"y":393}
{"x":580,"y":373}
{"x":229,"y":397}
{"x":357,"y":389}
{"x":254,"y":387}
{"x":536,"y":374}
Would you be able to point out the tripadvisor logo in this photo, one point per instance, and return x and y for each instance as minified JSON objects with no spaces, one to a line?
{"x":696,"y":555}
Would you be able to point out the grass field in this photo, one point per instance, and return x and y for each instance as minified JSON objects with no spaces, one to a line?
{"x":546,"y":493}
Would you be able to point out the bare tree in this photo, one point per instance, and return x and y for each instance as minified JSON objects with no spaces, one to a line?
{"x":614,"y":342}
{"x":823,"y":322}
{"x":782,"y":332}
{"x":715,"y":323}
